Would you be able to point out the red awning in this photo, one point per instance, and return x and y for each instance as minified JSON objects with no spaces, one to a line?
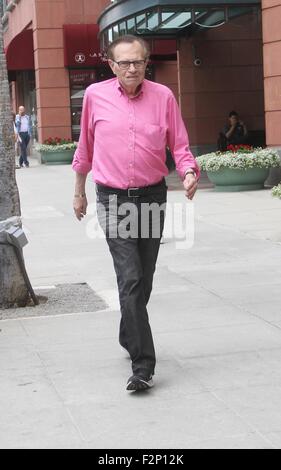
{"x":20,"y":52}
{"x":81,"y":45}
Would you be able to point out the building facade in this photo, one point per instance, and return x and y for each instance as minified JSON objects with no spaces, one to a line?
{"x":53,"y":53}
{"x":215,"y":55}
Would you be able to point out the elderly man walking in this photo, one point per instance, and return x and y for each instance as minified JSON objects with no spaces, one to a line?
{"x":127,"y":123}
{"x":24,"y":130}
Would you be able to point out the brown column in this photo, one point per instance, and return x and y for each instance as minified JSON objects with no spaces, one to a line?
{"x":52,"y":82}
{"x":271,"y":18}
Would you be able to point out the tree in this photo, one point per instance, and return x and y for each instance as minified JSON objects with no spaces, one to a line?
{"x":13,"y":290}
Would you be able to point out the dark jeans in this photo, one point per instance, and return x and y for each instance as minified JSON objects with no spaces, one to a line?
{"x":25,"y":138}
{"x":134,"y":259}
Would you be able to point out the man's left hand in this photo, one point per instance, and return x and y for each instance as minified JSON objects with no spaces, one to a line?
{"x":190,"y":185}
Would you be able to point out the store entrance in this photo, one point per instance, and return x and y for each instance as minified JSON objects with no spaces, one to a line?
{"x":79,"y":81}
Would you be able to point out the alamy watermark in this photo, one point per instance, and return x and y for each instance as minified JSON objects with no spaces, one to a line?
{"x":128,"y":220}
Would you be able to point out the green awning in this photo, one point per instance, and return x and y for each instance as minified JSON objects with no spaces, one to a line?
{"x":165,"y":18}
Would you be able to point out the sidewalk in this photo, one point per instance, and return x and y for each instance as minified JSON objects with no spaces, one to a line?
{"x":215,"y":316}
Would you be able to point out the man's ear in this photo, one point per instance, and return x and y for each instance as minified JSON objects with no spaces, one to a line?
{"x":111,"y":65}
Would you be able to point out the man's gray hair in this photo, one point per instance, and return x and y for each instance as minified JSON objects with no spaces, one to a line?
{"x":129,"y":39}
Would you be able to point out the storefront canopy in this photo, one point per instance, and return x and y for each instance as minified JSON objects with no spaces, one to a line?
{"x":16,"y":59}
{"x":81,"y":45}
{"x":167,"y":18}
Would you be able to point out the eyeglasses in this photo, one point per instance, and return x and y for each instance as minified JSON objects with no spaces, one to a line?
{"x":125,"y":64}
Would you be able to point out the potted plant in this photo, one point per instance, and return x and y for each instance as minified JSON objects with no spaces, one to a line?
{"x":240,"y":167}
{"x":276,"y":191}
{"x":56,"y":151}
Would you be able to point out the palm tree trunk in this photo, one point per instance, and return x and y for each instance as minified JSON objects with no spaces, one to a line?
{"x":12,"y":286}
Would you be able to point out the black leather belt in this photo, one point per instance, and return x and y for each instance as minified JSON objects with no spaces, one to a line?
{"x":134,"y":192}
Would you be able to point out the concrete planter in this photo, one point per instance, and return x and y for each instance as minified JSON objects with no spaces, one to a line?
{"x":228,"y":179}
{"x":60,"y":157}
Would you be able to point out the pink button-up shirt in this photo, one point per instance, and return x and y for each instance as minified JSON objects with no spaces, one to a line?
{"x":123,"y":140}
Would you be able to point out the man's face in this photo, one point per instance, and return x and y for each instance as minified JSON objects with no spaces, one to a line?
{"x":132,"y":77}
{"x":21,"y":110}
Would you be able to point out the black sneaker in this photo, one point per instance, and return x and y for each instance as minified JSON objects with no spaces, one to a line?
{"x":139,"y":382}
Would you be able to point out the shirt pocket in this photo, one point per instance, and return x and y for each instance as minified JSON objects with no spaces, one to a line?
{"x":155,"y":137}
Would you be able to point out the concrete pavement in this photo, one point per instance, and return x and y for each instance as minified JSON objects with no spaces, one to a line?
{"x":215,"y":315}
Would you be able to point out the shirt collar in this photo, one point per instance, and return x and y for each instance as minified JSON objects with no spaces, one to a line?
{"x":122,"y":92}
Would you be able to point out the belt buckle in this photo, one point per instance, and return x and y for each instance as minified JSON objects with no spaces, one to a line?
{"x":132,"y":189}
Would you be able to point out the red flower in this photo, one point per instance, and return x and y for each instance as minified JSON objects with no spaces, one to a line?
{"x":57,"y":141}
{"x":244,"y":148}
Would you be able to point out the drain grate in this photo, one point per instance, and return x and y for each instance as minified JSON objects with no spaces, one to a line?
{"x":62,"y":299}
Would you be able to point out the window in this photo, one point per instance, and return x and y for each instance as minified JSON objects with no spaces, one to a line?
{"x":79,"y":80}
{"x":152,"y":20}
{"x":115,"y":32}
{"x":131,"y":25}
{"x":175,"y":19}
{"x":123,"y":28}
{"x":209,"y":18}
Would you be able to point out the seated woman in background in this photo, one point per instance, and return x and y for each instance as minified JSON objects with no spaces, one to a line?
{"x":236,"y":131}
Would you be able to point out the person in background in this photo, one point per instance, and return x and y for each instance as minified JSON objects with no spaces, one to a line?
{"x":24,"y":130}
{"x":235,"y":131}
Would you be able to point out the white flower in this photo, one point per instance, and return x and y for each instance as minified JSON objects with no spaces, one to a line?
{"x":276,"y":191}
{"x":258,"y":158}
{"x":55,"y":148}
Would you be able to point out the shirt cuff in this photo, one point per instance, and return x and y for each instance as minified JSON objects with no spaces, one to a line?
{"x":81,"y":168}
{"x":81,"y":165}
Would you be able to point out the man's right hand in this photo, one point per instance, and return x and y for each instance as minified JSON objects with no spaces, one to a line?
{"x":80,"y":206}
